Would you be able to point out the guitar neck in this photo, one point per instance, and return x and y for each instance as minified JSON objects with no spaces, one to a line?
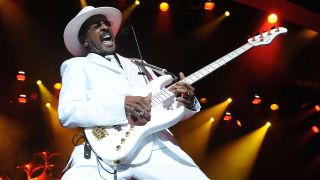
{"x":203,"y":72}
{"x":165,"y":94}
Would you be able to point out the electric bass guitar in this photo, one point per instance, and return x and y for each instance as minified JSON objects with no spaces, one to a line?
{"x":117,"y":145}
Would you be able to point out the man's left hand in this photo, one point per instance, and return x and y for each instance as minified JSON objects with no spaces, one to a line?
{"x":184,"y":92}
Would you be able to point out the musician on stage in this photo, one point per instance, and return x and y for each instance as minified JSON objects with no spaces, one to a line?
{"x":99,"y":90}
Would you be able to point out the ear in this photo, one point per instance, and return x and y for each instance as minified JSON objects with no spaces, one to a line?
{"x":85,"y":44}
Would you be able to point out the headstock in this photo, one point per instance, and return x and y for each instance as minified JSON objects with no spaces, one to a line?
{"x":266,"y":37}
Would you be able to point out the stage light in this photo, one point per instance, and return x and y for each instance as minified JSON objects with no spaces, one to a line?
{"x":83,"y":3}
{"x":272,"y":18}
{"x":136,"y":2}
{"x":239,"y":123}
{"x":164,"y":6}
{"x":274,"y":107}
{"x":21,"y":76}
{"x":317,"y":107}
{"x":203,"y":100}
{"x":256,"y":100}
{"x":48,"y":105}
{"x":212,"y":119}
{"x":227,"y":117}
{"x":229,"y":100}
{"x":208,"y":6}
{"x":268,"y":124}
{"x":227,"y":13}
{"x":22,"y":99}
{"x":315,"y":129}
{"x":33,"y":96}
{"x":57,"y":86}
{"x":39,"y":82}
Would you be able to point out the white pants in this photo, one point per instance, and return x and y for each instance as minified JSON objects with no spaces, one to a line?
{"x":162,"y":165}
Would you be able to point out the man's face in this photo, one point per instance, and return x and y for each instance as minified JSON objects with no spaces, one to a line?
{"x":98,"y":36}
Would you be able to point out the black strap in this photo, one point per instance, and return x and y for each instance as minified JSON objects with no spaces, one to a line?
{"x":87,"y":150}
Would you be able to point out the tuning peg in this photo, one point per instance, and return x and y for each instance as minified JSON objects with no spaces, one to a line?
{"x":252,"y":39}
{"x":277,"y":29}
{"x":269,"y":32}
{"x":261,"y":37}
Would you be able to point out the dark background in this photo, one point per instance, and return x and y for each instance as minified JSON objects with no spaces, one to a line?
{"x":285,"y":72}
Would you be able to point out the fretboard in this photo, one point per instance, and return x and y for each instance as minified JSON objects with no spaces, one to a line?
{"x":201,"y":73}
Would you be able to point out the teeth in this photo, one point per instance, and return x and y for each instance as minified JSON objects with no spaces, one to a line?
{"x":106,"y":38}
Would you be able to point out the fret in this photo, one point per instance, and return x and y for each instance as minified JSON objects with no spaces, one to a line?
{"x":195,"y":76}
{"x":155,"y":99}
{"x":240,"y":51}
{"x":215,"y":65}
{"x":189,"y":81}
{"x":160,"y":97}
{"x":204,"y":72}
{"x":169,"y":93}
{"x":198,"y":75}
{"x":233,"y":54}
{"x":209,"y":68}
{"x":191,"y":77}
{"x":220,"y":62}
{"x":227,"y":58}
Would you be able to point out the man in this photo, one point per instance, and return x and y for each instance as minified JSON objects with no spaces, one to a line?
{"x":98,"y":90}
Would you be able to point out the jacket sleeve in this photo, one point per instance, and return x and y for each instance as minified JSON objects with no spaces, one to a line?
{"x":76,"y":110}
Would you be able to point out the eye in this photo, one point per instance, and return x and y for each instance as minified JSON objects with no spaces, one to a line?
{"x":93,"y":27}
{"x":107,"y":23}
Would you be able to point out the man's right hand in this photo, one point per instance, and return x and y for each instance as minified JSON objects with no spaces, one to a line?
{"x":138,"y":109}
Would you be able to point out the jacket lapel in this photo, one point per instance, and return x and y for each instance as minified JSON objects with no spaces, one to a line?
{"x":99,"y":60}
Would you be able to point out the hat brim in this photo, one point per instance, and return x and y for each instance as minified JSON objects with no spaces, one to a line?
{"x":71,"y":31}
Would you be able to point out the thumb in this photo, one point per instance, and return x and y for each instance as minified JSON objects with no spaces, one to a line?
{"x":181,"y":75}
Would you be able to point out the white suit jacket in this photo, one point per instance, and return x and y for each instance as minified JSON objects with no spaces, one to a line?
{"x":93,"y":93}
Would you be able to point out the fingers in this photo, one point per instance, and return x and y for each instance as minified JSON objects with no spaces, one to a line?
{"x":138,"y":109}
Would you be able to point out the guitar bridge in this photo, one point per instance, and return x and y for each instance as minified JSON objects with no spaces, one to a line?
{"x":100,"y":132}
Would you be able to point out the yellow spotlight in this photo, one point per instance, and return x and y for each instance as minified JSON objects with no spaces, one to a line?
{"x":268,"y":124}
{"x":229,"y":100}
{"x":39,"y":82}
{"x":212,"y":119}
{"x":272,"y":18}
{"x":227,"y":13}
{"x":164,"y":6}
{"x":136,"y":2}
{"x":48,"y":105}
{"x":57,"y":86}
{"x":274,"y":107}
{"x":239,"y":123}
{"x":83,"y":3}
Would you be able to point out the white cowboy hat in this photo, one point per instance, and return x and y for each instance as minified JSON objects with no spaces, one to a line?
{"x":71,"y":31}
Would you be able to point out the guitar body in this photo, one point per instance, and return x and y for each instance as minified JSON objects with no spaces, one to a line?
{"x":117,"y":147}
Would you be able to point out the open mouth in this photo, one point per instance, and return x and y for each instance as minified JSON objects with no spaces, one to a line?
{"x":106,"y":38}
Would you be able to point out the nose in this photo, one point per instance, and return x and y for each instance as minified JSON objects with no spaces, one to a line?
{"x":103,"y":25}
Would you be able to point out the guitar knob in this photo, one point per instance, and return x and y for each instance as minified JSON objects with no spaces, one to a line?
{"x":131,"y":127}
{"x":118,"y":148}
